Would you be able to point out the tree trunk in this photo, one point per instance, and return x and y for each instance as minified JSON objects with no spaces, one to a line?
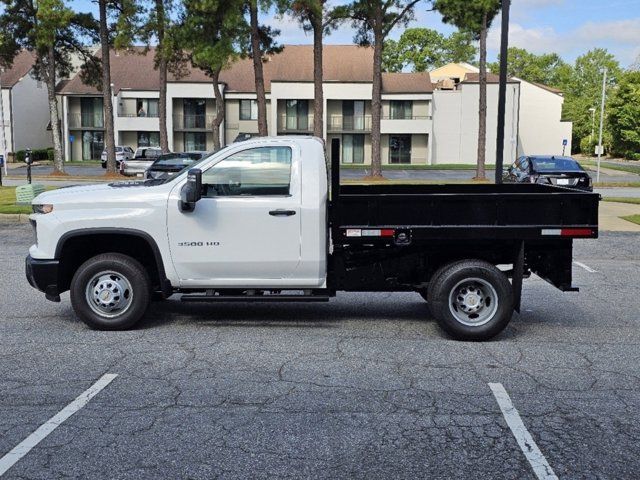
{"x":318,"y":101}
{"x":219,"y":108}
{"x":109,"y":139}
{"x":56,"y":131}
{"x":162,"y":70}
{"x":376,"y":97}
{"x":482,"y":110}
{"x":257,"y":67}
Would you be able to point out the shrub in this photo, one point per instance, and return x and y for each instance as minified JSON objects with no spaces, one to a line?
{"x":37,"y":154}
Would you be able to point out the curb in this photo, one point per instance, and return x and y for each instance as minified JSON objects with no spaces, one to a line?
{"x":9,"y":218}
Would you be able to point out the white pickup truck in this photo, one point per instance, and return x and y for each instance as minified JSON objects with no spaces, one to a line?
{"x":254,"y":222}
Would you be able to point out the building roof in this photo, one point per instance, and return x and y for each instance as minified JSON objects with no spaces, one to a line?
{"x":407,"y":83}
{"x":557,"y":91}
{"x":133,"y":70}
{"x":22,"y":65}
{"x":491,"y":78}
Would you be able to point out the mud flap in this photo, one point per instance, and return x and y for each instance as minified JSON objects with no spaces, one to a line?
{"x":516,"y":280}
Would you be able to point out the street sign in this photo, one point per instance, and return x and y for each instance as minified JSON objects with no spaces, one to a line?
{"x":599,"y":149}
{"x":71,"y":138}
{"x":565,"y":142}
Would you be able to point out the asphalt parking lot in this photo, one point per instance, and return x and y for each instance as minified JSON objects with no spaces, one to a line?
{"x":363,"y":387}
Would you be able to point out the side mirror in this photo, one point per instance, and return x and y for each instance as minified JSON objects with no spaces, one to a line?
{"x":191,"y":191}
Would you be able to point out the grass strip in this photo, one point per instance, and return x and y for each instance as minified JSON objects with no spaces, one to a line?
{"x":632,"y":218}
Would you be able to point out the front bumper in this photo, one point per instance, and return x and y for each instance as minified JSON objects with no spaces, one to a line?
{"x":43,"y":275}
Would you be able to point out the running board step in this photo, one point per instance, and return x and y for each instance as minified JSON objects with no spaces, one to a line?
{"x":254,"y":298}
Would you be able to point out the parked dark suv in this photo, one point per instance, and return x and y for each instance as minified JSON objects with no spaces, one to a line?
{"x":550,"y":170}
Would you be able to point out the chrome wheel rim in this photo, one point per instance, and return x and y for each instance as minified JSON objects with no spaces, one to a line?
{"x":473,"y":302}
{"x":109,"y":294}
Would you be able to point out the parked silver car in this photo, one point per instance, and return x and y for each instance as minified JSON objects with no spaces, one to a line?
{"x":142,"y":160}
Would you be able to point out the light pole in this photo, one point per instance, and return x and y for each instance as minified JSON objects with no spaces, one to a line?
{"x":604,"y":91}
{"x":593,"y":123}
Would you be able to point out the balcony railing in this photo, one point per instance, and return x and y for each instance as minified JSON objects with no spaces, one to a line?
{"x":342,"y":123}
{"x":86,"y":120}
{"x":127,"y":114}
{"x":299,"y":124}
{"x":192,"y":122}
{"x":409,"y":117}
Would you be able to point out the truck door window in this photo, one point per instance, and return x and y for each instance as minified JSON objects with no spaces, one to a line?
{"x":256,"y":171}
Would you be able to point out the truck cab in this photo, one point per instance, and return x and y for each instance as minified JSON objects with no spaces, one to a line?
{"x":267,"y":220}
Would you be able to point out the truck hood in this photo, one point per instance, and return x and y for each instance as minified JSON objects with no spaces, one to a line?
{"x":126,"y":193}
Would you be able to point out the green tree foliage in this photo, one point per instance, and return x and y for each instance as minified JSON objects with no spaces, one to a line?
{"x":423,"y":49}
{"x":372,"y":21}
{"x":53,"y":32}
{"x":474,"y":17}
{"x":212,"y":30}
{"x":583,"y":90}
{"x":624,"y":116}
{"x":548,"y":69}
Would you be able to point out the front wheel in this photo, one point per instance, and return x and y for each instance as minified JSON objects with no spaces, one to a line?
{"x":471,"y":300}
{"x":110,"y":292}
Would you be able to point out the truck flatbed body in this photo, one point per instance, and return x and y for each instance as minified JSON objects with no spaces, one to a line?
{"x":506,"y":211}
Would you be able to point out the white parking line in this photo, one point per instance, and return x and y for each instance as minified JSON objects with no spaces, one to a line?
{"x":586,"y":267}
{"x":540,"y":466}
{"x":20,"y":450}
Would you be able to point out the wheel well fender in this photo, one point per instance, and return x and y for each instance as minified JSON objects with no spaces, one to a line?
{"x":77,"y":246}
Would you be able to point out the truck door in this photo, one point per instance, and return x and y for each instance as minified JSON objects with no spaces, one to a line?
{"x":246,"y":229}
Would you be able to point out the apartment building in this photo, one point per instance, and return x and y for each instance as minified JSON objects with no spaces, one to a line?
{"x":406,"y":116}
{"x":427,"y":118}
{"x":24,"y":107}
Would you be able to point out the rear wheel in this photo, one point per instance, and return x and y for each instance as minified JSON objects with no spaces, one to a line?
{"x":471,"y":300}
{"x":110,"y":292}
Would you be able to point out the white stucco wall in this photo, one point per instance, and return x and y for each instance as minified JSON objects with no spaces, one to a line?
{"x":541,"y":131}
{"x":30,"y":110}
{"x":6,"y":111}
{"x":455,"y":124}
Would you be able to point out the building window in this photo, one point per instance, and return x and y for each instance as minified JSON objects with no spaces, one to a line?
{"x":256,"y":171}
{"x":147,"y":107}
{"x":92,"y":144}
{"x":194,"y":110}
{"x":248,"y":110}
{"x":91,"y":112}
{"x":148,"y":139}
{"x":353,"y":114}
{"x":400,"y":149}
{"x":353,"y":149}
{"x":195,"y":141}
{"x":297,"y":113}
{"x":401,"y":109}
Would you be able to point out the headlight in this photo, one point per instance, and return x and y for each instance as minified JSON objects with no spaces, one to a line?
{"x":42,"y":208}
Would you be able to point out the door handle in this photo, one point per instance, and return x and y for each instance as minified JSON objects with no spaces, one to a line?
{"x":282,"y":213}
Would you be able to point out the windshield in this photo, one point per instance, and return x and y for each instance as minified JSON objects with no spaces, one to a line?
{"x":174,"y":161}
{"x":551,"y":164}
{"x":170,"y":162}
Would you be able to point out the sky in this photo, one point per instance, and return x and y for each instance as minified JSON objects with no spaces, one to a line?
{"x":567,"y":27}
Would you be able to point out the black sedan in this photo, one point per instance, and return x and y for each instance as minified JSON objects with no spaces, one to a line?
{"x":549,"y":170}
{"x":171,"y":163}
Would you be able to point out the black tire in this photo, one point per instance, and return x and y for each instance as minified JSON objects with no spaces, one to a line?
{"x":424,"y":292}
{"x":460,"y":325}
{"x":138,"y":288}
